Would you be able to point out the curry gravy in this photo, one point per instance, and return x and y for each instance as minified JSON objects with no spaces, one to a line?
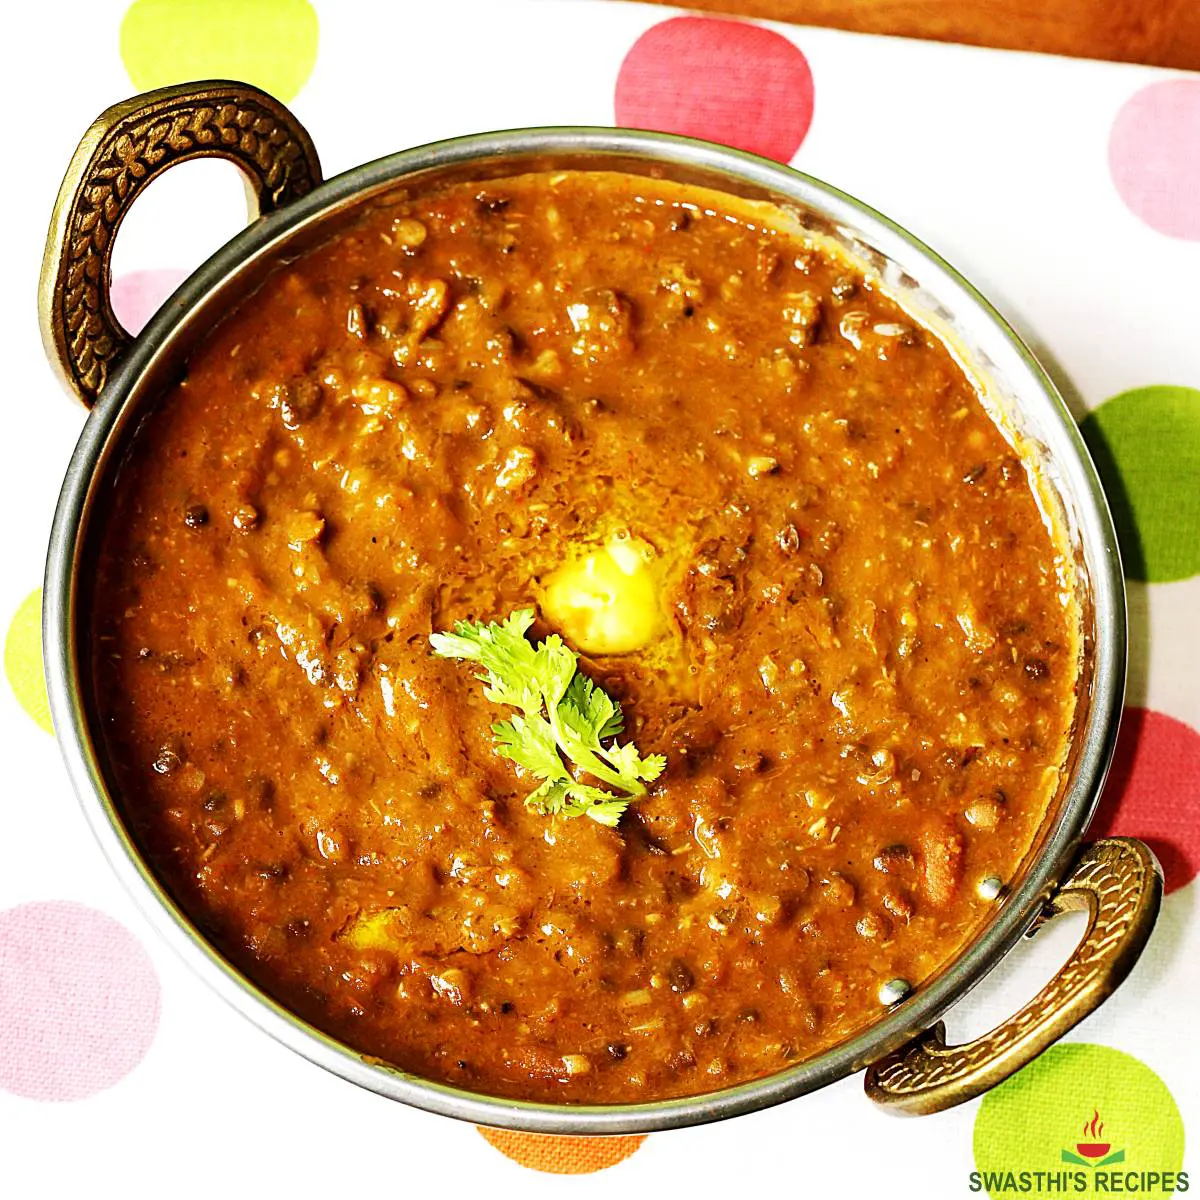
{"x":820,"y":585}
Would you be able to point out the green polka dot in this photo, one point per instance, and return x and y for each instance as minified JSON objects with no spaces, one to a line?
{"x":270,"y":43}
{"x":23,"y":660}
{"x":1146,"y":444}
{"x":1029,"y":1121}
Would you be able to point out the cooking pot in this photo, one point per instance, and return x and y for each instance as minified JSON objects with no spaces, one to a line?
{"x":910,"y":1068}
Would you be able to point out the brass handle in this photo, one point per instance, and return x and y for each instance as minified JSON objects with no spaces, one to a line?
{"x":1119,"y":883}
{"x":126,"y":147}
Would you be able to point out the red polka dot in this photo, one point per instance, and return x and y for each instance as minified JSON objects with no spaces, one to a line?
{"x":78,"y":1001}
{"x":1152,"y":789}
{"x":1152,"y":155}
{"x":725,"y":81}
{"x":137,"y":296}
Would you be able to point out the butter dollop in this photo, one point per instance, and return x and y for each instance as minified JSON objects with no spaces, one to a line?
{"x":607,"y":600}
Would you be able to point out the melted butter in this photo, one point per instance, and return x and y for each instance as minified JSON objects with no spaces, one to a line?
{"x":382,"y":930}
{"x":608,"y":600}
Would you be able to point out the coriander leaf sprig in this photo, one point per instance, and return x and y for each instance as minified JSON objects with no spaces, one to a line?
{"x":561,"y":713}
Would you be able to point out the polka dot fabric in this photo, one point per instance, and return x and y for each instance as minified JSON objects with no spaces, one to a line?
{"x":137,"y":296}
{"x":79,"y":1001}
{"x":1079,"y":1105}
{"x":1146,"y":444}
{"x":23,"y":660}
{"x":115,"y":1069}
{"x":724,"y":81}
{"x":561,"y":1155}
{"x":1153,"y":159}
{"x":1152,"y":791}
{"x":271,"y":43}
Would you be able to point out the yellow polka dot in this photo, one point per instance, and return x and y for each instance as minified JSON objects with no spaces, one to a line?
{"x":269,"y":43}
{"x":23,"y":660}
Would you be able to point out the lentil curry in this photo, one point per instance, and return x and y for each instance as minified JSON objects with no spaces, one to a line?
{"x":768,"y":510}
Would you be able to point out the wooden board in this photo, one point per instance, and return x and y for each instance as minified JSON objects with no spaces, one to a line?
{"x":1160,"y":32}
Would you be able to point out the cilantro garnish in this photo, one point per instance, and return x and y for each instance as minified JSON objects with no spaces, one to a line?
{"x":562,"y":715}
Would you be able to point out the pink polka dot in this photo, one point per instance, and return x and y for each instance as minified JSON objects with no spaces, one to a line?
{"x":79,"y":1001}
{"x":725,"y":81}
{"x":1152,"y":789}
{"x":1154,"y":156}
{"x":137,"y":296}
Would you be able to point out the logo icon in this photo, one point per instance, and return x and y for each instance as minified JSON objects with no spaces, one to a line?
{"x":1092,"y":1151}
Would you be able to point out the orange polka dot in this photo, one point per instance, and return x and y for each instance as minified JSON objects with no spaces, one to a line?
{"x":562,"y":1155}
